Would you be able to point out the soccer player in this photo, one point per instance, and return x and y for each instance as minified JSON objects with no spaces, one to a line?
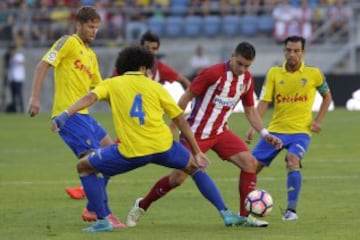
{"x":76,"y":70}
{"x":138,"y":104}
{"x":216,"y":91}
{"x":160,"y":72}
{"x":291,"y":88}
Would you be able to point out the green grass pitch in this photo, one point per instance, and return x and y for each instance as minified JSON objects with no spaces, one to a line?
{"x":36,"y":166}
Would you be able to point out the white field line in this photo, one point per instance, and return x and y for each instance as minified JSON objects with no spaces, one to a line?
{"x":124,"y":181}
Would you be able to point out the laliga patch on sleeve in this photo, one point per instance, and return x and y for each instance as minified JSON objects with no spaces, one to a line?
{"x":52,"y":56}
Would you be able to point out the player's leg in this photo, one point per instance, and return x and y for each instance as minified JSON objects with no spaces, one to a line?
{"x":109,"y":162}
{"x":107,"y":141}
{"x":293,"y":186}
{"x":230,"y":147}
{"x":184,"y":160}
{"x":162,"y":187}
{"x":165,"y":184}
{"x":93,"y":187}
{"x":297,"y":147}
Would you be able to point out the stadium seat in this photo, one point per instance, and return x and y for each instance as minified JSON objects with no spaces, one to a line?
{"x":265,"y":23}
{"x":178,"y":7}
{"x":249,"y":25}
{"x":173,"y":26}
{"x":211,"y":25}
{"x":192,"y":26}
{"x":156,"y":25}
{"x":231,"y":25}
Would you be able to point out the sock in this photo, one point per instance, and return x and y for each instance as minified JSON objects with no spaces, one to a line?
{"x":91,"y":207}
{"x":294,"y":180}
{"x":93,"y":188}
{"x":159,"y":190}
{"x":247,"y":184}
{"x":209,"y":190}
{"x":105,"y":180}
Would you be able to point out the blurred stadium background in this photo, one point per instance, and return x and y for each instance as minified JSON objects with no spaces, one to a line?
{"x":332,"y":28}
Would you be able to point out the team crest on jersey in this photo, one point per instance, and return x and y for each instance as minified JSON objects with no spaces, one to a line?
{"x":52,"y":56}
{"x":282,"y":82}
{"x":303,"y":82}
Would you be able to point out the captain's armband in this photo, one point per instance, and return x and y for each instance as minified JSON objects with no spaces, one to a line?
{"x":323,"y":88}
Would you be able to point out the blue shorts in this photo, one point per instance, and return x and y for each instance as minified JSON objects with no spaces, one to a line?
{"x":81,"y":133}
{"x":109,"y":161}
{"x":296,"y":144}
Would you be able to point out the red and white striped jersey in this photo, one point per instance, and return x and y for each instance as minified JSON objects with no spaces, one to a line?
{"x":162,"y":72}
{"x":217,"y":92}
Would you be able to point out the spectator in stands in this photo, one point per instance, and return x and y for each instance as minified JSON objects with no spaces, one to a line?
{"x":161,"y":72}
{"x":116,"y":21}
{"x":41,"y":21}
{"x":21,"y":15}
{"x":304,"y":20}
{"x":198,"y":61}
{"x":6,"y":22}
{"x":284,"y":20}
{"x":60,"y":20}
{"x":319,"y":15}
{"x":135,"y":25}
{"x":339,"y":14}
{"x":103,"y":11}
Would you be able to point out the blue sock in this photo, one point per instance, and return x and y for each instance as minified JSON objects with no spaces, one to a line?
{"x":105,"y":180}
{"x":293,"y":188}
{"x":209,"y":190}
{"x":93,"y":187}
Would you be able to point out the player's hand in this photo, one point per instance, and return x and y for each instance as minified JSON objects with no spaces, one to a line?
{"x":59,"y":121}
{"x":202,"y":160}
{"x":249,"y":135}
{"x":34,"y":107}
{"x":273,"y":140}
{"x":315,"y":127}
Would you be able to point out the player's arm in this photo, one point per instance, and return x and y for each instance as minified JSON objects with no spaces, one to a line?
{"x":185,"y":129}
{"x":327,"y":99}
{"x":183,"y":102}
{"x":82,"y":103}
{"x":39,"y":77}
{"x":185,"y":99}
{"x":185,"y":82}
{"x":255,"y":121}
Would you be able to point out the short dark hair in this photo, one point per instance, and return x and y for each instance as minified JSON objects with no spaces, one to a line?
{"x":296,"y":39}
{"x":132,"y":58}
{"x":149,"y":37}
{"x":87,"y":13}
{"x":245,"y":49}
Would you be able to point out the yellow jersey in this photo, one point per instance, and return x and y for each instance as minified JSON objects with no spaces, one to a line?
{"x":137,"y":105}
{"x":76,"y":70}
{"x":292,"y":94}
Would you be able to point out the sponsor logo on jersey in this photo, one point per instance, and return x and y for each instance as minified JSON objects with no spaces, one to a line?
{"x":224,"y":101}
{"x":291,"y":99}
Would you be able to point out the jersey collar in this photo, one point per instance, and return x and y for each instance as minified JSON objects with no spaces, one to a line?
{"x":133,"y":73}
{"x":79,"y":39}
{"x":301,"y":69}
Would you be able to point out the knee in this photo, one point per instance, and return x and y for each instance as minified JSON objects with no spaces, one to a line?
{"x":177,"y":178}
{"x":80,"y":167}
{"x":292,"y":163}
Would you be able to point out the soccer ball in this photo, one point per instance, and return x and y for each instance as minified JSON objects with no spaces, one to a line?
{"x":259,"y":203}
